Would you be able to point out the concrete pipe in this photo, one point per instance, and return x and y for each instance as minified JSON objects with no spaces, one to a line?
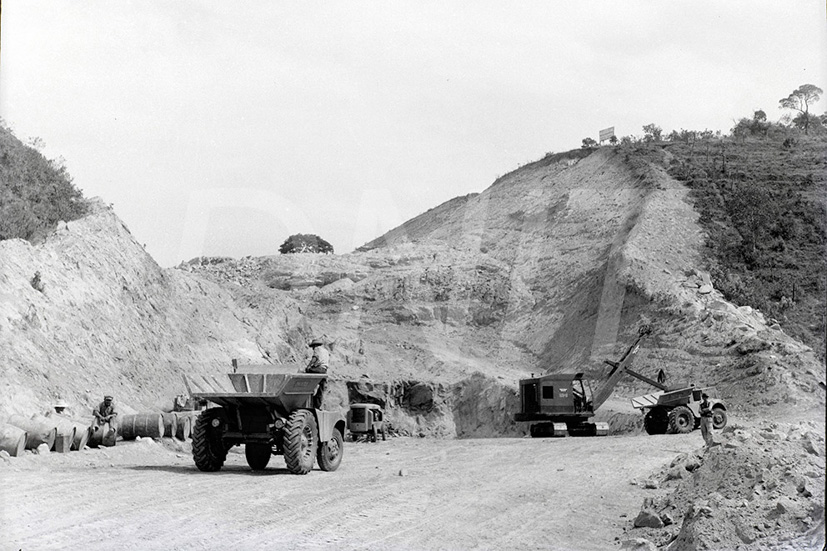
{"x":145,"y":425}
{"x":82,"y":429}
{"x":65,"y":437}
{"x":102,"y":435}
{"x":170,"y":424}
{"x":38,"y":432}
{"x":12,"y":440}
{"x":184,"y":427}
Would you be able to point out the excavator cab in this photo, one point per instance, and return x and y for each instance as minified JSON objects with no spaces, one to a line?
{"x":582,"y":398}
{"x":560,"y":404}
{"x":555,"y":394}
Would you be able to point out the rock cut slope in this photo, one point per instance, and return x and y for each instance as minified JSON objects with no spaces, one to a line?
{"x":552,"y":268}
{"x":107,"y":319}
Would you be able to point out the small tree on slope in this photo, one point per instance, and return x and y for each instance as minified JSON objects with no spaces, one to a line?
{"x":305,"y":243}
{"x":800,"y":100}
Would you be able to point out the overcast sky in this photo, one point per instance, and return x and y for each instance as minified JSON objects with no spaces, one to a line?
{"x":221,"y":128}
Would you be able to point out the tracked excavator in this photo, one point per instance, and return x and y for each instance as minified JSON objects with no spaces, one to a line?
{"x":562,"y":404}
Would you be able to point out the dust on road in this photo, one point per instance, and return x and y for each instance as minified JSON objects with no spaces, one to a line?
{"x":573,"y":493}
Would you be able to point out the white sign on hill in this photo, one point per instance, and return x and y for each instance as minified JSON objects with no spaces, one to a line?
{"x":607,"y":133}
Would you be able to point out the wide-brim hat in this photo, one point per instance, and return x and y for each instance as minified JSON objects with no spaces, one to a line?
{"x":108,"y":398}
{"x":60,"y":405}
{"x":315,"y":342}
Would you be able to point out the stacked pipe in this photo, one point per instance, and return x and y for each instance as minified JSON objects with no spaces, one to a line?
{"x":12,"y":440}
{"x":145,"y":425}
{"x":65,"y":433}
{"x":103,"y":435}
{"x":170,"y":424}
{"x":185,"y":421}
{"x":37,"y":432}
{"x":82,"y":430}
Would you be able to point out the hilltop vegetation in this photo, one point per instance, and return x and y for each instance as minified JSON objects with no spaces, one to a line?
{"x":35,"y":193}
{"x":761,"y":201}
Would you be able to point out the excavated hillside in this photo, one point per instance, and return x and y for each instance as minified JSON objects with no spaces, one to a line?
{"x":552,"y":268}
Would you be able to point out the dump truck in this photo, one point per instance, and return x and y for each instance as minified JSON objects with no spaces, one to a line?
{"x":269,"y":409}
{"x":560,"y":404}
{"x":678,"y":410}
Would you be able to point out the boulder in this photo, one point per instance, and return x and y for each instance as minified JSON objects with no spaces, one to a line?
{"x":648,"y":519}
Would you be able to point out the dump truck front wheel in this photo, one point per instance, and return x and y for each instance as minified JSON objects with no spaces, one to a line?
{"x":681,"y":420}
{"x":719,"y":418}
{"x":330,"y":452}
{"x":208,"y":450}
{"x":656,"y":421}
{"x":300,"y":441}
{"x":258,"y":455}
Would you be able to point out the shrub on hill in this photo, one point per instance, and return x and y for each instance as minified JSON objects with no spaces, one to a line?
{"x":35,"y":193}
{"x":760,"y":195}
{"x":305,"y":243}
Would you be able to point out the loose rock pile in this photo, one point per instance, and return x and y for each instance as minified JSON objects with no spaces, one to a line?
{"x":759,"y":488}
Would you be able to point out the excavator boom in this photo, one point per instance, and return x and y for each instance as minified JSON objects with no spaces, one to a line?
{"x":619,"y":369}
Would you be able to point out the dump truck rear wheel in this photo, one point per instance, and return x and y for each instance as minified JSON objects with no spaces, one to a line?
{"x":208,"y":450}
{"x":681,"y":420}
{"x":330,"y":452}
{"x":258,"y":455}
{"x":719,"y":418}
{"x":656,"y":421}
{"x":300,"y":441}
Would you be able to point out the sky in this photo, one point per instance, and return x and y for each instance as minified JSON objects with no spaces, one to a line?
{"x":222,"y":128}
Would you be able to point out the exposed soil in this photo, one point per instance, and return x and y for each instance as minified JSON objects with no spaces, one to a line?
{"x":406,"y":493}
{"x":551,"y":269}
{"x":417,"y":493}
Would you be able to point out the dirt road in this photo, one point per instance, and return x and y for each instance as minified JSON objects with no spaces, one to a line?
{"x":574,"y":493}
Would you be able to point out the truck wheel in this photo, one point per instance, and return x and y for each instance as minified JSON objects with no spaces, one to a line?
{"x":719,"y":418}
{"x":208,"y":450}
{"x":330,"y":452}
{"x":300,"y":439}
{"x":656,"y":421}
{"x":258,"y":455}
{"x":681,"y":420}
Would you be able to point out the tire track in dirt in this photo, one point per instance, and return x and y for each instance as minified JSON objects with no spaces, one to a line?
{"x":486,"y":494}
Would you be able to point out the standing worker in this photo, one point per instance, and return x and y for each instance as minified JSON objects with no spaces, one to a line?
{"x":106,"y":413}
{"x":706,"y":420}
{"x":318,"y":364}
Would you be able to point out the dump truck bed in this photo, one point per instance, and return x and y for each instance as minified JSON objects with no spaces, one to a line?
{"x":279,"y":386}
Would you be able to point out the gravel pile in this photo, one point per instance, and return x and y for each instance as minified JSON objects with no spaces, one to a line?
{"x":757,"y":488}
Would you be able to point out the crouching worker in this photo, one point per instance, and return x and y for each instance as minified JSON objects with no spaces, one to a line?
{"x":106,"y":420}
{"x":318,"y":364}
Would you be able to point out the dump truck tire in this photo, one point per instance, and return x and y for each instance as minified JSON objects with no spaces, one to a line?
{"x":300,"y":441}
{"x":258,"y":455}
{"x":681,"y":420}
{"x":208,"y":450}
{"x":719,"y":418}
{"x":656,"y":421}
{"x":330,"y":452}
